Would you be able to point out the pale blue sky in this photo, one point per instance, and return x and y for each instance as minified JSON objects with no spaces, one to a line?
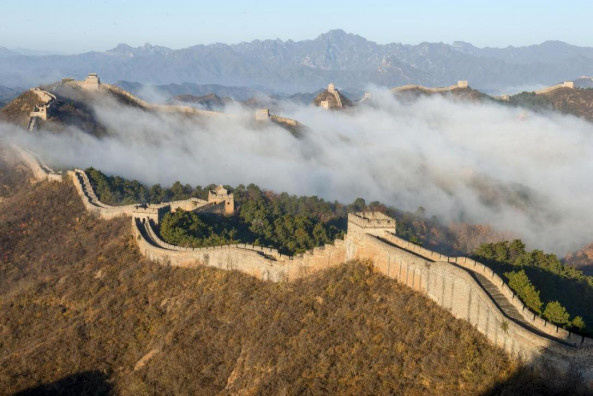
{"x":77,"y":26}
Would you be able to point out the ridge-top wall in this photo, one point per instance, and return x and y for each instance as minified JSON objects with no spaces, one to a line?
{"x":455,"y":289}
{"x":263,"y":263}
{"x":448,"y":281}
{"x":165,"y":108}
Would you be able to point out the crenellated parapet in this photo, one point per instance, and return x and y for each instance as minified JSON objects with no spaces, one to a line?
{"x":374,"y":223}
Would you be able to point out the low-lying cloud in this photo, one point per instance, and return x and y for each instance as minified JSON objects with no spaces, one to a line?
{"x":480,"y":163}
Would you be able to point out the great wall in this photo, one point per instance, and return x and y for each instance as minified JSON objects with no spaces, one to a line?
{"x":460,"y":85}
{"x":565,"y":84}
{"x":464,"y":84}
{"x":468,"y":289}
{"x":93,"y":83}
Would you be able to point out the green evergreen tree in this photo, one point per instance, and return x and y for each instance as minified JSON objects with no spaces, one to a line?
{"x":556,"y":313}
{"x":520,"y":284}
{"x":578,"y":323}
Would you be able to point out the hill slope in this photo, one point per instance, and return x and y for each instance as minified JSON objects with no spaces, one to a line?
{"x":80,"y":307}
{"x":210,"y":101}
{"x":466,"y":94}
{"x":578,"y":102}
{"x":330,"y":97}
{"x":72,"y":108}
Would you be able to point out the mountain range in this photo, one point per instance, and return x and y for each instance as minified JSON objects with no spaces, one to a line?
{"x":349,"y":60}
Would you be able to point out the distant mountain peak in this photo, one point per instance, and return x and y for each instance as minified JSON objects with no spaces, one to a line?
{"x":338,"y":35}
{"x":123,"y":46}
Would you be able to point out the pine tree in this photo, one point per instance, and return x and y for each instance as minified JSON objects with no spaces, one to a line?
{"x":556,"y":313}
{"x":519,"y":282}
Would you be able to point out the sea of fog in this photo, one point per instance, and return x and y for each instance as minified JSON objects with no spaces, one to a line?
{"x":518,"y":171}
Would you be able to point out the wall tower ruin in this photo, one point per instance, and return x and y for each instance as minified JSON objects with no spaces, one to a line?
{"x":221,"y":195}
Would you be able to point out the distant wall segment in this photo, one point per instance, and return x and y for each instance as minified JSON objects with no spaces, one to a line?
{"x":565,"y":84}
{"x":462,"y":84}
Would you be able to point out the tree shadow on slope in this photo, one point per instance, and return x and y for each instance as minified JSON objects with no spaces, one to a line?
{"x":88,"y":383}
{"x":540,"y":378}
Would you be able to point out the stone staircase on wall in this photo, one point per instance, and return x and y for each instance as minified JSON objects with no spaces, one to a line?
{"x":32,"y":125}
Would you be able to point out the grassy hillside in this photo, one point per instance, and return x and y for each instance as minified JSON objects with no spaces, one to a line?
{"x":82,"y":312}
{"x":17,"y":111}
{"x":71,"y":109}
{"x":210,"y":101}
{"x":578,"y":102}
{"x":330,"y":97}
{"x":465,"y":94}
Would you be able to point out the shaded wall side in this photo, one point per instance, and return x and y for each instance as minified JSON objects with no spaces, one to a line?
{"x":454,"y":289}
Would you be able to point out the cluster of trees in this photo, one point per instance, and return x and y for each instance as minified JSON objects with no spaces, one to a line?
{"x":535,"y":276}
{"x":115,"y":190}
{"x":288,"y":223}
{"x":531,"y":101}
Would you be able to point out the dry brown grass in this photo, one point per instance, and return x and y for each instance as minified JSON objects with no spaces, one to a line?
{"x":573,"y":101}
{"x":17,"y":111}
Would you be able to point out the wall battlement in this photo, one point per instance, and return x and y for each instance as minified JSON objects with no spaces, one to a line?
{"x":462,"y":84}
{"x":93,"y":83}
{"x":220,"y":195}
{"x":40,"y":112}
{"x":374,"y":223}
{"x":372,"y":220}
{"x":460,"y":285}
{"x":265,"y":115}
{"x":565,"y":84}
{"x":262,"y":114}
{"x":332,"y":89}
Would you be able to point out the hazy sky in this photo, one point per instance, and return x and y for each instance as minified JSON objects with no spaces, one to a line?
{"x":77,"y":26}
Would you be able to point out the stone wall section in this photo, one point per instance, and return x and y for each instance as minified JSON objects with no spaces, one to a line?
{"x":460,"y":84}
{"x":284,"y":120}
{"x":331,"y":88}
{"x":93,"y":82}
{"x":565,"y":84}
{"x":529,"y":317}
{"x":40,"y":170}
{"x":454,"y":288}
{"x":263,"y":263}
{"x":40,"y":112}
{"x":164,"y":108}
